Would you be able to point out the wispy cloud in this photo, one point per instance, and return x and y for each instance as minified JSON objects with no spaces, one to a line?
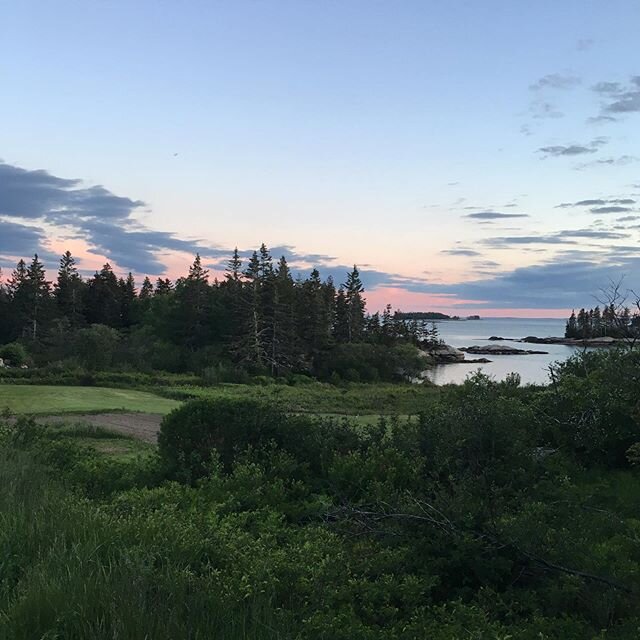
{"x":619,"y":161}
{"x":597,"y":202}
{"x":494,"y":215}
{"x":573,"y":149}
{"x":610,"y":209}
{"x":460,"y":252}
{"x":555,"y":81}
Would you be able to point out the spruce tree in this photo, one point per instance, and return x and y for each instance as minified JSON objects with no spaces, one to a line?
{"x":234,"y":268}
{"x":128,"y":297}
{"x":102,"y":305}
{"x":163,"y":287}
{"x":39,"y":290}
{"x":341,"y":325}
{"x":571,"y":330}
{"x":355,"y":305}
{"x":146,"y":290}
{"x":282,"y":332}
{"x":250,"y":346}
{"x":68,"y":291}
{"x":192,"y":305}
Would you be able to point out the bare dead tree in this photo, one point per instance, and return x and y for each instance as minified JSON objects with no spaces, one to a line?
{"x":623,"y":306}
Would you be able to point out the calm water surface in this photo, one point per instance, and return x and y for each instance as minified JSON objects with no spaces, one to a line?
{"x":532,"y":368}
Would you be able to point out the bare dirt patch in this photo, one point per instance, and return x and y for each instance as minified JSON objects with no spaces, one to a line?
{"x":144,"y":426}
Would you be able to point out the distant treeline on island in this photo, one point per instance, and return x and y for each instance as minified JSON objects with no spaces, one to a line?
{"x":430,"y":315}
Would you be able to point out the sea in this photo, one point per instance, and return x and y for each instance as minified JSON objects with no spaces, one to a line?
{"x":533,"y":369}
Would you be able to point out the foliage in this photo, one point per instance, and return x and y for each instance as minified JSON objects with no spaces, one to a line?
{"x":499,"y":512}
{"x":14,"y":354}
{"x":593,"y":405}
{"x":257,"y":320}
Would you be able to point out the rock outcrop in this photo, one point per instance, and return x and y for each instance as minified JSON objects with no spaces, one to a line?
{"x":444,"y":353}
{"x":499,"y":350}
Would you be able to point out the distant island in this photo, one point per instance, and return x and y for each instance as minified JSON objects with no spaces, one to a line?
{"x":430,"y":315}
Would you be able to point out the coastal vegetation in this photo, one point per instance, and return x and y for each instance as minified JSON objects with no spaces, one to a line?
{"x":256,"y":320}
{"x":496,"y":511}
{"x":276,"y":475}
{"x":615,"y":320}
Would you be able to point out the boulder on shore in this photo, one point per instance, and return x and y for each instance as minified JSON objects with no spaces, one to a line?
{"x":444,"y":353}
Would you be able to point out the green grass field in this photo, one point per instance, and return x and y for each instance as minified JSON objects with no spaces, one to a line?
{"x":361,"y":403}
{"x":42,"y":400}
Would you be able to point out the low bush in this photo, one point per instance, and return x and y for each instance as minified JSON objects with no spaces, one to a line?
{"x":14,"y":354}
{"x":190,"y":434}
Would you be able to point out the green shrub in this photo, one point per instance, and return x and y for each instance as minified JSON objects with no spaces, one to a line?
{"x":190,"y":434}
{"x":14,"y":354}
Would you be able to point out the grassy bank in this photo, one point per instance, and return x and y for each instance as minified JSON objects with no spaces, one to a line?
{"x":363,"y":402}
{"x":43,"y":400}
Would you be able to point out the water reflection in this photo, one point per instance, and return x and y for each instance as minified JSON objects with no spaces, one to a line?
{"x":533,"y":369}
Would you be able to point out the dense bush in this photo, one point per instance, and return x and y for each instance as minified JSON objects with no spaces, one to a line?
{"x":592,"y":406}
{"x":365,"y":362}
{"x":190,"y":434}
{"x":14,"y":354}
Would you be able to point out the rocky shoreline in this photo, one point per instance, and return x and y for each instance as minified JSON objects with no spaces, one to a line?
{"x":446,"y":354}
{"x":605,"y":341}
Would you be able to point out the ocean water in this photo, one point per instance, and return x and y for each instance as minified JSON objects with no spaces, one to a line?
{"x":533,"y":369}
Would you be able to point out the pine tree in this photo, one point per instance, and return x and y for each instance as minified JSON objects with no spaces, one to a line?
{"x":282,"y":331}
{"x":234,"y":268}
{"x":39,"y":290}
{"x":250,"y":347}
{"x":596,"y":323}
{"x":68,"y":291}
{"x":571,"y":330}
{"x":355,"y":305}
{"x":341,"y":328}
{"x":102,"y":304}
{"x":163,"y":287}
{"x":128,"y":297}
{"x":146,"y":290}
{"x":583,"y":324}
{"x":192,"y":305}
{"x":18,"y":293}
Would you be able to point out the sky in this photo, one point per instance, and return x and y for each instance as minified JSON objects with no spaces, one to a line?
{"x":470,"y":157}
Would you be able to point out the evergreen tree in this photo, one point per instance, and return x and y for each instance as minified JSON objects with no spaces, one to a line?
{"x":163,"y":287}
{"x":102,"y":304}
{"x":234,"y":268}
{"x":282,"y":332}
{"x":355,"y":306}
{"x":250,"y":347}
{"x":583,"y":324}
{"x":146,"y":290}
{"x":68,"y":291}
{"x":18,"y":293}
{"x":128,"y":297}
{"x":571,"y":330}
{"x":341,"y":329}
{"x":192,"y":305}
{"x":596,"y":323}
{"x":38,"y":291}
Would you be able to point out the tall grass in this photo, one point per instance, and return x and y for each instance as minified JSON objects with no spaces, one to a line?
{"x":66,"y":572}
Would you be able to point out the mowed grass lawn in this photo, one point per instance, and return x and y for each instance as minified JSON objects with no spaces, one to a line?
{"x":36,"y":399}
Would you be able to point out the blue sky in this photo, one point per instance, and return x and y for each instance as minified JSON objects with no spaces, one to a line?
{"x":430,"y":142}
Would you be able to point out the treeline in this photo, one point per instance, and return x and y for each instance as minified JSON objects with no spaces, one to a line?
{"x":257,"y":319}
{"x":595,"y":323}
